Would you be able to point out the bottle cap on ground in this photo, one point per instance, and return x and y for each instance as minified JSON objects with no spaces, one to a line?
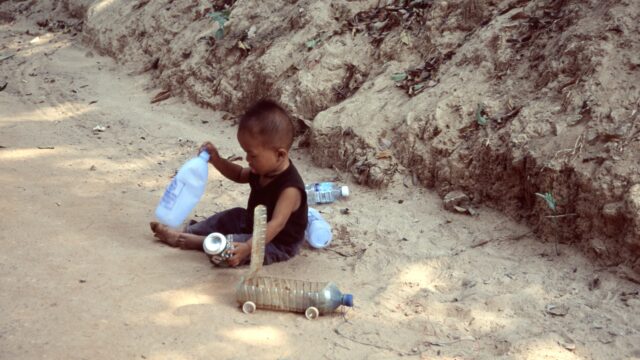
{"x":347,"y":300}
{"x":345,"y":190}
{"x":214,"y":244}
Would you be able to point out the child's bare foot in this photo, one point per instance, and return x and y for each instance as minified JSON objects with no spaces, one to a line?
{"x":165,"y":234}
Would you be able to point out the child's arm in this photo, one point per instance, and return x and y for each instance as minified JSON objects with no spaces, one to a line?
{"x":231,"y":171}
{"x":288,"y":202}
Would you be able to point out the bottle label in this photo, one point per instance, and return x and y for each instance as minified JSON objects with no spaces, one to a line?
{"x":171,"y":194}
{"x":323,"y":186}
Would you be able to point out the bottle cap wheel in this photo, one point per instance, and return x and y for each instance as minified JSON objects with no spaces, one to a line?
{"x":214,"y":244}
{"x":345,"y":190}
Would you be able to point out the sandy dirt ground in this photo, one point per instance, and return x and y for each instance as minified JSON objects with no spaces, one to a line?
{"x":81,"y":276}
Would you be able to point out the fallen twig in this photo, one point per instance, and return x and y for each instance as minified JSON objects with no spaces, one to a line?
{"x":478,"y":244}
{"x":152,"y":65}
{"x":6,"y":57}
{"x":338,"y":332}
{"x":577,"y":147}
{"x":628,"y":274}
{"x":485,"y":242}
{"x":632,"y":133}
{"x":162,"y":95}
{"x":356,"y":253}
{"x":561,"y":215}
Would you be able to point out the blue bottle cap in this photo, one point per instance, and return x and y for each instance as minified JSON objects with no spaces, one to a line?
{"x":347,"y":300}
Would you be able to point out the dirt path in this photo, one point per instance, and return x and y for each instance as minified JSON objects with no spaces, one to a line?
{"x":82,"y":278}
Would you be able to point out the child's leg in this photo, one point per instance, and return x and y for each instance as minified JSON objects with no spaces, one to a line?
{"x":175,"y":238}
{"x":225,"y":222}
{"x":273,"y":254}
{"x":232,"y":221}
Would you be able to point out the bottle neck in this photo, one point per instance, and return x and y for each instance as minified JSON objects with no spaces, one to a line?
{"x":204,"y":156}
{"x":347,"y":300}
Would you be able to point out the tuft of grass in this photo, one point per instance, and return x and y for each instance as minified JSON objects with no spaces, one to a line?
{"x":552,"y":204}
{"x":481,"y":119}
{"x":312,"y":43}
{"x":548,"y":198}
{"x":472,"y":12}
{"x":220,"y":17}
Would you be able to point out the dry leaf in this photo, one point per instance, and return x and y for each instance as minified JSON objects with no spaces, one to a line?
{"x":385,"y":154}
{"x":243,"y":46}
{"x":405,"y":38}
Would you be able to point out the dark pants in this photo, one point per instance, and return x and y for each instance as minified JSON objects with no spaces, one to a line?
{"x":234,"y":222}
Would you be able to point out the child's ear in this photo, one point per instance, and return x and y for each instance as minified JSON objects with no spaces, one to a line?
{"x":282,"y":153}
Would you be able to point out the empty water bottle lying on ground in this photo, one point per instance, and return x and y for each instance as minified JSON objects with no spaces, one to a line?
{"x":184,"y":191}
{"x":318,"y":232}
{"x":325,"y":192}
{"x":310,"y":297}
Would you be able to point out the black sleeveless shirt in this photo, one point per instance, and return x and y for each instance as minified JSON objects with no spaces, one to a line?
{"x":292,"y":235}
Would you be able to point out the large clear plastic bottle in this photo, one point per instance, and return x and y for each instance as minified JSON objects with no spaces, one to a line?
{"x":309,"y":297}
{"x":184,"y":191}
{"x":318,"y":232}
{"x":325,"y":192}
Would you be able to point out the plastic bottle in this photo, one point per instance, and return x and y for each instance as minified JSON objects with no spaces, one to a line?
{"x":318,"y":232}
{"x":310,"y":297}
{"x":325,"y":192}
{"x":184,"y":191}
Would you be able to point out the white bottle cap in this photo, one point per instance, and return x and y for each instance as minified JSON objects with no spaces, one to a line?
{"x":214,"y":244}
{"x":345,"y":191}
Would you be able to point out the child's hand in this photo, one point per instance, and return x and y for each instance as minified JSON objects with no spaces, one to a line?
{"x":240,"y":251}
{"x":210,"y":148}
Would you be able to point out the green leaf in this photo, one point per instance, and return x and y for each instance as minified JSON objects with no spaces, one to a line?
{"x":219,"y":33}
{"x":312,"y":43}
{"x":548,"y":197}
{"x":401,"y":76}
{"x":482,"y":120}
{"x":219,"y":17}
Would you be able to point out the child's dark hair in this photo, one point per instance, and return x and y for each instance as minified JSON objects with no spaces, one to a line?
{"x":270,"y":122}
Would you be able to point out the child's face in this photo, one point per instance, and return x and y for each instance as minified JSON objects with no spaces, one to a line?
{"x":263,"y":160}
